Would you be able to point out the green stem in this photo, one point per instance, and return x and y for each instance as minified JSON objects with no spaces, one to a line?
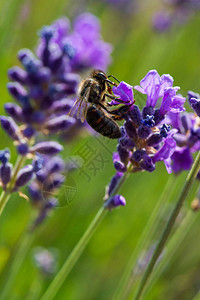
{"x":127,"y":277}
{"x":168,"y":228}
{"x":5,"y":195}
{"x":78,"y":249}
{"x":21,"y":251}
{"x":173,"y":246}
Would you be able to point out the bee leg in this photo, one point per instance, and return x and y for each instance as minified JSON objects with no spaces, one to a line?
{"x":118,"y":100}
{"x":104,"y":107}
{"x":111,"y":82}
{"x":113,"y":77}
{"x":109,"y":96}
{"x":117,"y":118}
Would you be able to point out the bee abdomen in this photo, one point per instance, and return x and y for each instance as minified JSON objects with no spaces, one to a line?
{"x":102,"y":124}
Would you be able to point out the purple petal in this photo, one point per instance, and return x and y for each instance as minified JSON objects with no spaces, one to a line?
{"x":174,"y":120}
{"x":88,"y":26}
{"x":153,"y":86}
{"x":166,"y":150}
{"x":182,"y":159}
{"x":124,"y":91}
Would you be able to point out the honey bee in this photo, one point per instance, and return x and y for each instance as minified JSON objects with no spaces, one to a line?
{"x":91,"y":105}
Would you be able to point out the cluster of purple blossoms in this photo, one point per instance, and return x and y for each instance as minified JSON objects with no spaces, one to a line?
{"x":44,"y":88}
{"x":146,"y":137}
{"x":174,"y":12}
{"x":26,"y":173}
{"x":187,"y":136}
{"x":43,"y":188}
{"x":46,"y":85}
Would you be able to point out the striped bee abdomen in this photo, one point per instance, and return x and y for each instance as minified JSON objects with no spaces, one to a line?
{"x":101,"y":123}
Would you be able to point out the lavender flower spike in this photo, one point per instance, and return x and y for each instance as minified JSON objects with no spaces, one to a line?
{"x":145,"y":137}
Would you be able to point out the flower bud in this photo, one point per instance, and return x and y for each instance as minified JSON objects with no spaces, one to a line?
{"x":54,"y":182}
{"x":114,"y":181}
{"x":4,"y":156}
{"x":24,"y":175}
{"x":48,"y":148}
{"x":60,"y":123}
{"x":154,"y":139}
{"x":10,"y":127}
{"x":22,"y":149}
{"x":195,"y":104}
{"x":5,"y":173}
{"x":115,"y":201}
{"x":144,"y":131}
{"x":147,"y":164}
{"x":17,"y":74}
{"x":63,"y":105}
{"x":123,"y":154}
{"x":130,"y":129}
{"x":119,"y":166}
{"x":55,"y":165}
{"x":17,"y":91}
{"x":135,"y":115}
{"x":127,"y":143}
{"x":14,"y":111}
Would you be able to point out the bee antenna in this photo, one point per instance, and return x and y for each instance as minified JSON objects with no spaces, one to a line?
{"x":113,"y":77}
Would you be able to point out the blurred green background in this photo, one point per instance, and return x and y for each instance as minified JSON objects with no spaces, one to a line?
{"x":136,"y":50}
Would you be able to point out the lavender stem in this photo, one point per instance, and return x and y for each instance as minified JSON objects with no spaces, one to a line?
{"x":79,"y":248}
{"x":168,"y":228}
{"x":20,"y":253}
{"x":174,"y":244}
{"x":127,"y":277}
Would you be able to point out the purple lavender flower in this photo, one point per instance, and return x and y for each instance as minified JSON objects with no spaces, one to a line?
{"x":162,"y":21}
{"x":174,"y":12}
{"x":44,"y":187}
{"x":146,"y":136}
{"x":152,"y":140}
{"x":187,"y":140}
{"x":82,"y":48}
{"x":45,"y":260}
{"x":45,"y":87}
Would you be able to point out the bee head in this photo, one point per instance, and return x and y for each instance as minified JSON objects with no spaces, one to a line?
{"x":99,"y":75}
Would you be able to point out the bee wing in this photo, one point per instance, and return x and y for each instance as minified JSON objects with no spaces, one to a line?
{"x":80,"y":106}
{"x":76,"y":104}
